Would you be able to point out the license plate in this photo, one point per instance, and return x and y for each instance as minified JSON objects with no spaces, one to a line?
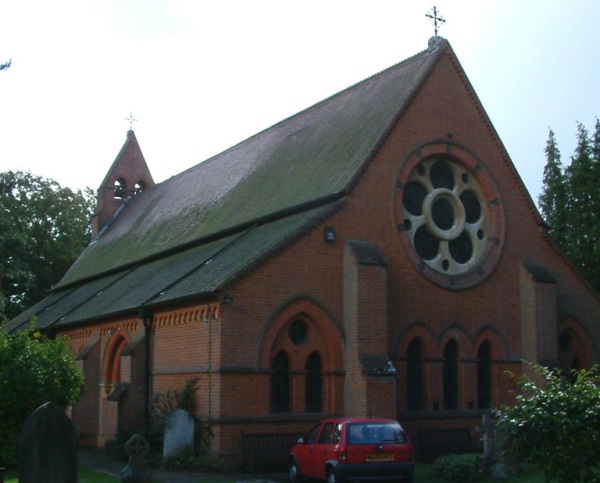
{"x":380,"y":457}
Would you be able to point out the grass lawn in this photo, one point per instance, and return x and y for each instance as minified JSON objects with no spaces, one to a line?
{"x":87,"y":475}
{"x":423,"y":474}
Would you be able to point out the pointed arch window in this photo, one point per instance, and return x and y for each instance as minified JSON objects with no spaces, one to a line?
{"x":139,"y":187}
{"x":484,"y":376}
{"x":280,"y":384}
{"x":451,"y":375}
{"x":415,"y":388}
{"x":314,"y":384}
{"x":112,"y":369}
{"x":120,"y":188}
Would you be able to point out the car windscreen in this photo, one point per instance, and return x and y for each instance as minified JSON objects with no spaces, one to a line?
{"x":375,"y":433}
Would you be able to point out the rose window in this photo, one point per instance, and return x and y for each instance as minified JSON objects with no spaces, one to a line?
{"x":445,"y":216}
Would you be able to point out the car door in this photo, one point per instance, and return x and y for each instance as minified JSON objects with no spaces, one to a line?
{"x":305,"y":453}
{"x":323,"y":449}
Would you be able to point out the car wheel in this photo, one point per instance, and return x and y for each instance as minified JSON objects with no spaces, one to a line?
{"x":294,"y":472}
{"x":333,"y":478}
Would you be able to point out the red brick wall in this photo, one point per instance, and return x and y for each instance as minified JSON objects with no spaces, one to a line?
{"x":232,"y":353}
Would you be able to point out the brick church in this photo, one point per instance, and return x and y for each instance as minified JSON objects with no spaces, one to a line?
{"x":374,"y":254}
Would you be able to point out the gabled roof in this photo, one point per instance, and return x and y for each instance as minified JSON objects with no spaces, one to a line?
{"x":131,"y":148}
{"x":241,"y":204}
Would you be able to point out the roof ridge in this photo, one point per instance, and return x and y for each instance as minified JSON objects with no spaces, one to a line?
{"x":324,"y":147}
{"x":289,"y":118}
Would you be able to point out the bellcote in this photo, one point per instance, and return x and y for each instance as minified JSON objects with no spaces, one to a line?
{"x":128,"y":176}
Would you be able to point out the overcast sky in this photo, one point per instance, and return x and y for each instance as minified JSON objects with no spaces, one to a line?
{"x":201,"y":76}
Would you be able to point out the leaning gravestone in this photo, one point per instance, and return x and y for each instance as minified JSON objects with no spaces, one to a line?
{"x":179,"y":433}
{"x":48,"y":447}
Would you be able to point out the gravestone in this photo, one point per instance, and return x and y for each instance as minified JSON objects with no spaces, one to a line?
{"x":489,"y":436}
{"x":137,"y":448}
{"x":48,"y":447}
{"x":179,"y":433}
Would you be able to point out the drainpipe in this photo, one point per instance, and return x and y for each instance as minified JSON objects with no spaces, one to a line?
{"x":146,"y":316}
{"x":209,"y":326}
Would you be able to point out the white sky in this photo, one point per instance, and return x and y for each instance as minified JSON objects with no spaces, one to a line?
{"x":201,"y":76}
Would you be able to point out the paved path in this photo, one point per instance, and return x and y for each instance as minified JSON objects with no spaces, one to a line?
{"x":103,"y":461}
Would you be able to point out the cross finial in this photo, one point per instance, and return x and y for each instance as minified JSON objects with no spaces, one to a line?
{"x":435,"y":19}
{"x":131,"y":121}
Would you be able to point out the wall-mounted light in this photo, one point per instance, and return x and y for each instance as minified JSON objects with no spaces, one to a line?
{"x":228,"y":300}
{"x":329,"y":234}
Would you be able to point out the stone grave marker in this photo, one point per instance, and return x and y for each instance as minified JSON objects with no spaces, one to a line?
{"x":48,"y":447}
{"x":137,"y":448}
{"x":489,"y":436}
{"x":179,"y":433}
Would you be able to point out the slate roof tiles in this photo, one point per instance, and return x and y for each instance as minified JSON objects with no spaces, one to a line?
{"x":246,"y":202}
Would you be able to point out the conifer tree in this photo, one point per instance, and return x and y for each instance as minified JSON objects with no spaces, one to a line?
{"x":582,"y":212}
{"x":570,"y":201}
{"x":553,"y":199}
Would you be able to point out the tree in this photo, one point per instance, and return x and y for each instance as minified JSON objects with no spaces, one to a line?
{"x":555,"y":424}
{"x":584,"y":207}
{"x":553,"y":199}
{"x":570,"y":201}
{"x":33,"y":370}
{"x":6,"y":65}
{"x":43,"y":228}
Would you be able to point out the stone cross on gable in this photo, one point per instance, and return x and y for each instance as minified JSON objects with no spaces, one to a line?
{"x":435,"y":19}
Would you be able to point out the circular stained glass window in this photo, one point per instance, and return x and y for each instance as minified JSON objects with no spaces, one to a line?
{"x":449,"y":221}
{"x":297,"y":332}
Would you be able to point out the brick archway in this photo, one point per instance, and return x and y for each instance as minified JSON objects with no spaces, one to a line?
{"x":317,"y":320}
{"x":574,"y":346}
{"x":111,"y":373}
{"x":305,"y":334}
{"x":111,"y":379}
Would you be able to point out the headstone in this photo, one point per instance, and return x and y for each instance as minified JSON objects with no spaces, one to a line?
{"x":179,"y":433}
{"x":488,"y":430}
{"x":499,"y":472}
{"x":137,"y":448}
{"x":48,"y":447}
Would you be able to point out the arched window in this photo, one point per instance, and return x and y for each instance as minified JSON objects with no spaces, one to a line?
{"x":280,"y":384}
{"x":120,"y":188}
{"x":139,"y":187}
{"x":415,"y":393}
{"x":451,"y":375}
{"x":484,"y":376}
{"x":314,"y":386}
{"x":112,"y":364}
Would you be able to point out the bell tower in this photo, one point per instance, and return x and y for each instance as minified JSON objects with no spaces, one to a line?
{"x":128,"y":176}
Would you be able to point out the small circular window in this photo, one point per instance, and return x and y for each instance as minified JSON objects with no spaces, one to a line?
{"x":449,"y":221}
{"x":297,"y":332}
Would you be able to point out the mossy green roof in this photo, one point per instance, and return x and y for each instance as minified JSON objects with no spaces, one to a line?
{"x":196,"y":271}
{"x":313,"y":155}
{"x":243,"y":203}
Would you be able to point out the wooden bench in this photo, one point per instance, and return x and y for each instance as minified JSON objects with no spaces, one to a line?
{"x":259,"y":449}
{"x":438,"y":442}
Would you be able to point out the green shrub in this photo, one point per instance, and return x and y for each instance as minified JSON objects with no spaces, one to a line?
{"x":459,"y":467}
{"x":33,"y":370}
{"x":554,"y":424}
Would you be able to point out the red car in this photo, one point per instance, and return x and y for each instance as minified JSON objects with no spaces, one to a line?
{"x":340,"y":449}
